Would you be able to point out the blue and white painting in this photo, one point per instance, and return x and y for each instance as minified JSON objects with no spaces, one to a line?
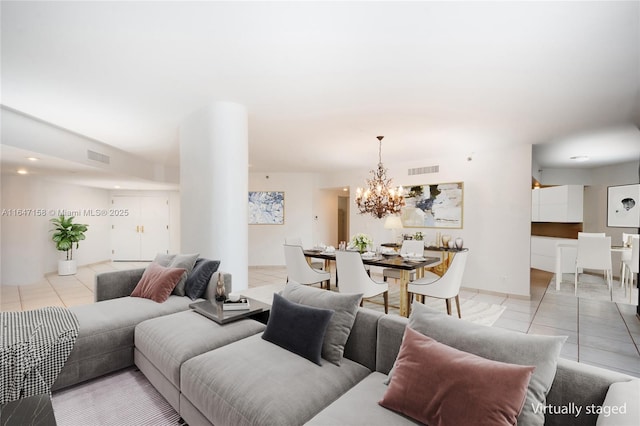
{"x":266,"y":208}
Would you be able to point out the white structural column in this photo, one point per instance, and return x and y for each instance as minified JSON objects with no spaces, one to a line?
{"x":214,"y":156}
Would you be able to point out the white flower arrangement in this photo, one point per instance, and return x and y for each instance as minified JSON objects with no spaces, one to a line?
{"x":361,"y":241}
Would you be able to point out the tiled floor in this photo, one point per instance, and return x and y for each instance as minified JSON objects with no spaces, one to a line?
{"x":604,"y":334}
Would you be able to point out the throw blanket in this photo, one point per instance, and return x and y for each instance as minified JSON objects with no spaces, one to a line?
{"x":34,"y":345}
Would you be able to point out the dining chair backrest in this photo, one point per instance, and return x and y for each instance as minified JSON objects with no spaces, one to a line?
{"x":412,"y":246}
{"x":298,"y":269}
{"x":353,"y":275}
{"x":453,"y":275}
{"x":635,"y":254}
{"x":626,"y":238}
{"x":448,"y":285}
{"x":594,"y":252}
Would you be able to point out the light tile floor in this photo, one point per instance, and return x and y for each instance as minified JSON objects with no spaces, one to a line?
{"x":599,"y":333}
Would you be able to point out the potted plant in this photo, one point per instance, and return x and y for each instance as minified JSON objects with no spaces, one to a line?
{"x":65,"y":235}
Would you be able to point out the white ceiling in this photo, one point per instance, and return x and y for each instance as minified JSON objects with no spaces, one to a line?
{"x":321,"y":80}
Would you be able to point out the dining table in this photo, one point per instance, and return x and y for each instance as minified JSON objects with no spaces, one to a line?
{"x":405,"y":267}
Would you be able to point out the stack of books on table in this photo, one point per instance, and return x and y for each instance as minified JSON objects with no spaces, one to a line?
{"x":240,"y":305}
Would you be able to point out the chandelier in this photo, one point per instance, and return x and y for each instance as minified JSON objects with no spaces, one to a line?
{"x":379,"y":199}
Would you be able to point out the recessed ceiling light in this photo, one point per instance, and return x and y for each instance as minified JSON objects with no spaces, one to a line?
{"x":345,"y":189}
{"x":117,"y":186}
{"x":32,"y":158}
{"x":22,"y":172}
{"x":579,"y":158}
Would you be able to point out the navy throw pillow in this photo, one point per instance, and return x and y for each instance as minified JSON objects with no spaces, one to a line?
{"x":297,"y":328}
{"x":198,"y":279}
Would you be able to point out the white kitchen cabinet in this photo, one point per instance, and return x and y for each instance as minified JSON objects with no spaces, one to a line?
{"x":535,"y":204}
{"x":557,"y":204}
{"x":544,"y":254}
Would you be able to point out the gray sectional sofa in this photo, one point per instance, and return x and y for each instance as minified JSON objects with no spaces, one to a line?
{"x":230,"y":375}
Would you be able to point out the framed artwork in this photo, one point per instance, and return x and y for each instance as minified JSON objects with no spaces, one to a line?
{"x":623,"y":206}
{"x":266,"y":208}
{"x":437,"y":205}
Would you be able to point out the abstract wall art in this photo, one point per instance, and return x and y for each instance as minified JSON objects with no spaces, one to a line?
{"x":266,"y":208}
{"x":437,"y":205}
{"x":623,"y":206}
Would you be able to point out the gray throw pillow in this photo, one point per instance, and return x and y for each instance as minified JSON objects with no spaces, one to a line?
{"x":498,"y":345}
{"x":198,"y":280}
{"x":345,"y":307}
{"x":185,"y":261}
{"x":297,"y":328}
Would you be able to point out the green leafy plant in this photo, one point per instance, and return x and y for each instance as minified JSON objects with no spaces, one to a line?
{"x":66,"y":234}
{"x":361,"y":242}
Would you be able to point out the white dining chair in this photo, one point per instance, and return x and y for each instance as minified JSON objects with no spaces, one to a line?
{"x":625,"y":256}
{"x":593,"y":253}
{"x":408,"y":246}
{"x":444,"y":287}
{"x":631,"y":265}
{"x":354,"y":278}
{"x":299,"y":270}
{"x":297,"y":241}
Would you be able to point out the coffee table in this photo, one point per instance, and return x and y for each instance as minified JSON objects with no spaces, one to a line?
{"x":213,"y":310}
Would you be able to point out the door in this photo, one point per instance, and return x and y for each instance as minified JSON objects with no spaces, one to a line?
{"x":139,"y":227}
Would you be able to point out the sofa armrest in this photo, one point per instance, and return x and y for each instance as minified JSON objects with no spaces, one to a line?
{"x":579,"y":386}
{"x":210,"y":293}
{"x":114,"y":284}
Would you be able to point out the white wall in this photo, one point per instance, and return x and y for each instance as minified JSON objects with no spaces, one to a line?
{"x":265,"y":241}
{"x":27,"y":250}
{"x":497,"y":213}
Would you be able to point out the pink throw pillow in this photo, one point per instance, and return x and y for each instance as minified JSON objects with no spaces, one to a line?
{"x":439,"y":385}
{"x":157,"y":282}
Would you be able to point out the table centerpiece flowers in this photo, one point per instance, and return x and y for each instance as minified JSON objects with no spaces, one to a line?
{"x":361,"y":242}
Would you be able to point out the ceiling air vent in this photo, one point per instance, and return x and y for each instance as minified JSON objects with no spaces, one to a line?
{"x":424,"y":170}
{"x":96,"y":156}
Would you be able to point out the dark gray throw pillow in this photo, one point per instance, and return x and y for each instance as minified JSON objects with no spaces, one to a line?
{"x":197,"y":281}
{"x":498,"y":345}
{"x":297,"y":328}
{"x":345,"y":306}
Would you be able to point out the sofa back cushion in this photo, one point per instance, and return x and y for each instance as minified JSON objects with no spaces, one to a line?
{"x":344,"y":306}
{"x":185,"y":261}
{"x":157,"y":282}
{"x":297,"y":328}
{"x":498,"y":345}
{"x":440,"y":385}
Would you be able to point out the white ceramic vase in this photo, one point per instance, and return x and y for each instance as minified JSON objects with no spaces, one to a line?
{"x":67,"y":267}
{"x":458,"y":243}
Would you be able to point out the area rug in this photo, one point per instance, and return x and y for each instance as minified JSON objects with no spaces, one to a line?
{"x":593,"y":287}
{"x":119,"y":399}
{"x":473,"y":311}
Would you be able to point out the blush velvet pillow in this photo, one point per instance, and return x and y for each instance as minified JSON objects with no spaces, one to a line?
{"x":157,"y":282}
{"x":297,"y":328}
{"x":439,"y":385}
{"x":505,"y":346}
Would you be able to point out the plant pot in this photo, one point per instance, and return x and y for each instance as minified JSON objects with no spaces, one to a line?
{"x":67,"y":267}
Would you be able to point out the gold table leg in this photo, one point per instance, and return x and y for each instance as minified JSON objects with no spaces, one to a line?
{"x":404,"y":293}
